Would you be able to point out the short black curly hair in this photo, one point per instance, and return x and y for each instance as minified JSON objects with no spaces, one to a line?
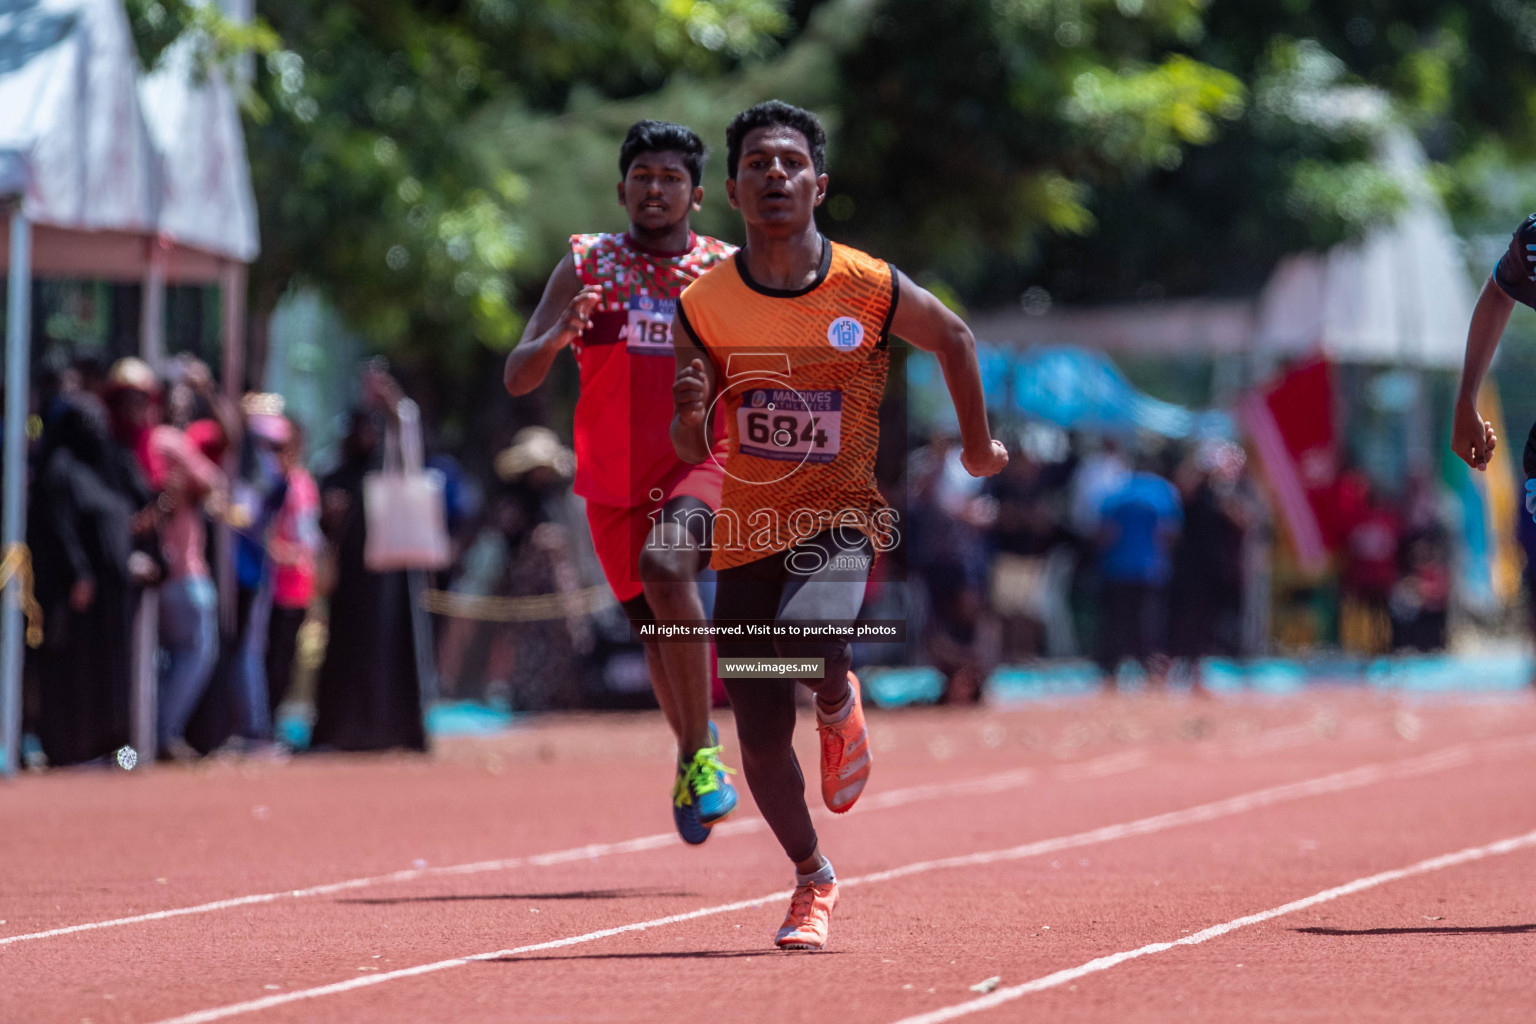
{"x":663,"y":137}
{"x":773,"y":114}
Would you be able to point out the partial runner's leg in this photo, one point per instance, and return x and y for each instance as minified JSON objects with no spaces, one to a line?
{"x":675,"y":550}
{"x":765,"y":723}
{"x":618,"y":534}
{"x":765,"y":727}
{"x":826,"y":577}
{"x":639,"y":612}
{"x":825,"y":580}
{"x":765,"y":710}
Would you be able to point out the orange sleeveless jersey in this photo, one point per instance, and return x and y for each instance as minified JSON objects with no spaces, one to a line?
{"x":799,"y":379}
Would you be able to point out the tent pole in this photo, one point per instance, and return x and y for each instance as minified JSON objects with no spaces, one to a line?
{"x":232,"y":336}
{"x":146,"y":621}
{"x":13,"y":526}
{"x":152,"y":309}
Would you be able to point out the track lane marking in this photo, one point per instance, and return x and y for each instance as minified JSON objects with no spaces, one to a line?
{"x":1104,"y":963}
{"x":1338,"y":782}
{"x":979,"y":785}
{"x":1100,"y":767}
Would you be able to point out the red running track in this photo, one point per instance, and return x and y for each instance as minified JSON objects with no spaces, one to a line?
{"x":1132,"y":859}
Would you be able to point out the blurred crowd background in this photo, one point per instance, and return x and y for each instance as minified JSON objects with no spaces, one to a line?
{"x":1219,"y":259}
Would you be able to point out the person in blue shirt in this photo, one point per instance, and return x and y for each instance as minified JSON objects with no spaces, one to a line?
{"x":1139,"y":522}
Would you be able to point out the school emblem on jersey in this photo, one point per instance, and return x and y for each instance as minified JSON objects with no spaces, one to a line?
{"x":845,"y":333}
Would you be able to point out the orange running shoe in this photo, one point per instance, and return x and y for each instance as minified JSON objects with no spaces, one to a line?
{"x":810,"y":912}
{"x":845,"y":755}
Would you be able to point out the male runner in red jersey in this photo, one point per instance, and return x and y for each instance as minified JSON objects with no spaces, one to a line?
{"x":790,"y":339}
{"x":612,"y":300}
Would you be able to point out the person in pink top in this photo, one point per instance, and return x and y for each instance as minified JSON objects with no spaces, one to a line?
{"x":187,"y":483}
{"x":294,"y":547}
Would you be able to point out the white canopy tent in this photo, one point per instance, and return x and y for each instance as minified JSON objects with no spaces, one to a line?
{"x":108,"y":174}
{"x":1400,"y":297}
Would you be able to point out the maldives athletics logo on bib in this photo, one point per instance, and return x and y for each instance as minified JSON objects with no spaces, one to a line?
{"x":845,"y":333}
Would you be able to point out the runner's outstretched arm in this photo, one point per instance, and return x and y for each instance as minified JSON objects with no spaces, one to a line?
{"x":693,"y":390}
{"x":928,"y":324}
{"x":563,"y":312}
{"x":1472,"y":438}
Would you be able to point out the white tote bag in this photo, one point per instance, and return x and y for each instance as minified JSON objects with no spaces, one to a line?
{"x":404,"y":503}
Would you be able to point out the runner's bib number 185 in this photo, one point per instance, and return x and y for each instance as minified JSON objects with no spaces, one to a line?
{"x":789,"y":425}
{"x":649,"y":330}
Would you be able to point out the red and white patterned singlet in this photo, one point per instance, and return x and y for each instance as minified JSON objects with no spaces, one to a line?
{"x":624,"y":415}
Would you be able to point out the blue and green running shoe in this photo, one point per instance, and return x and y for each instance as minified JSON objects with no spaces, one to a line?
{"x":701,"y":796}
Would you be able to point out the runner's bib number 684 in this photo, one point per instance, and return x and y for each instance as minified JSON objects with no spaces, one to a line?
{"x":789,"y":425}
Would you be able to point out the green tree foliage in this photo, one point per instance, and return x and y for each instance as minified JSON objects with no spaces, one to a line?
{"x":1326,"y":81}
{"x":979,"y":127}
{"x":422,"y":163}
{"x":371,"y":182}
{"x":573,"y":157}
{"x":216,"y":39}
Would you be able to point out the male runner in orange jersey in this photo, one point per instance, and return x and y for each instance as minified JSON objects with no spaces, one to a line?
{"x":611,"y":299}
{"x":788,"y":343}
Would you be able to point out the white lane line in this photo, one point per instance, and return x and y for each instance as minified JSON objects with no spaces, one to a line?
{"x":1336,"y":783}
{"x":223,"y":1012}
{"x":980,"y":785}
{"x":1280,"y":739}
{"x":1104,"y":963}
{"x":1321,"y":726}
{"x":986,"y":784}
{"x":1099,"y":767}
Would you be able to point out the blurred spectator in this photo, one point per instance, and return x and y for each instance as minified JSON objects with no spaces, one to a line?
{"x":1372,"y":534}
{"x":198,"y":409}
{"x":294,"y":548}
{"x":186,"y":482}
{"x":54,"y":391}
{"x":1420,"y":600}
{"x":1206,"y":589}
{"x":87,"y":493}
{"x":132,"y":394}
{"x":1139,"y":523}
{"x":1099,"y":474}
{"x":1099,"y":469}
{"x":460,"y":496}
{"x":481,"y":571}
{"x":368,"y":694}
{"x":260,"y":491}
{"x":948,"y":515}
{"x":537,"y":471}
{"x":1032,"y":562}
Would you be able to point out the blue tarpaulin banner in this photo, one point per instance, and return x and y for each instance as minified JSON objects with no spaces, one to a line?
{"x":1073,"y":388}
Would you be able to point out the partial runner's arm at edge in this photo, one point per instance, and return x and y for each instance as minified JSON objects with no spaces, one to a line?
{"x":562,"y":313}
{"x":926,"y":323}
{"x":1472,"y":438}
{"x":693,"y":391}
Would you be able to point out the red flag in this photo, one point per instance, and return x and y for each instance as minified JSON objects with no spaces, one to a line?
{"x":1292,"y":426}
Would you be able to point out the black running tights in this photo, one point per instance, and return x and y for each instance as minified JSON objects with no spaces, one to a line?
{"x":821,"y":580}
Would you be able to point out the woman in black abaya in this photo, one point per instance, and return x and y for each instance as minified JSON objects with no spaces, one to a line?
{"x":81,"y":534}
{"x":368,"y":694}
